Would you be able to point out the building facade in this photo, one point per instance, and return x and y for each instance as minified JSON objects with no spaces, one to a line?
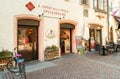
{"x":33,"y":25}
{"x":114,"y":25}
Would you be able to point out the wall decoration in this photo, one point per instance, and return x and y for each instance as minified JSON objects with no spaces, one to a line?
{"x":50,"y":34}
{"x":30,"y":6}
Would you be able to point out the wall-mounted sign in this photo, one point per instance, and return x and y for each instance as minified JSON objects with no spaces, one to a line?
{"x":30,"y":6}
{"x":50,"y":34}
{"x":51,"y":10}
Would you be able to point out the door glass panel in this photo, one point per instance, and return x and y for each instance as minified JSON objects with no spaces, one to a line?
{"x":92,"y":38}
{"x":27,"y":42}
{"x":98,"y":35}
{"x":65,"y":41}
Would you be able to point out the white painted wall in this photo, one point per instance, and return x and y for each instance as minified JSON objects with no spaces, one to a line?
{"x":9,"y":9}
{"x":51,"y":24}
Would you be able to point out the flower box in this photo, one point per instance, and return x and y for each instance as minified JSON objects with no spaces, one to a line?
{"x":51,"y":52}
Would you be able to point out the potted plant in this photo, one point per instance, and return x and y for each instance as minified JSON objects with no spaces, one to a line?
{"x":5,"y":53}
{"x":5,"y":56}
{"x":51,"y":52}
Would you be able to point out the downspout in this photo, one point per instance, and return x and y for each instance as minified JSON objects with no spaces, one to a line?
{"x":108,"y":16}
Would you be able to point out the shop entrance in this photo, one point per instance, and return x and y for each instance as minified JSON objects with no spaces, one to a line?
{"x":28,"y":41}
{"x":95,"y":38}
{"x":65,"y":41}
{"x":66,"y":38}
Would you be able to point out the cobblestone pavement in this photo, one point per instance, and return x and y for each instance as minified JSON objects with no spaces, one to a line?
{"x":90,"y":66}
{"x":107,"y":59}
{"x":73,"y":66}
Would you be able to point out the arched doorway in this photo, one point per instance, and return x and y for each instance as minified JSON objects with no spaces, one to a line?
{"x":66,"y":38}
{"x":27,"y":38}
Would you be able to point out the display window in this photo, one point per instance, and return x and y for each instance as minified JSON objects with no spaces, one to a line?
{"x":27,"y":42}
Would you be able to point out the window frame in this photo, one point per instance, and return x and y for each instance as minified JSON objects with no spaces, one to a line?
{"x":67,"y":0}
{"x":85,"y":12}
{"x":99,"y":5}
{"x":85,"y":2}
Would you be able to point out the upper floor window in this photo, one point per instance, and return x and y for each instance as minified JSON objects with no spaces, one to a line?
{"x":85,"y":12}
{"x":67,"y":0}
{"x":100,"y":5}
{"x":84,"y":2}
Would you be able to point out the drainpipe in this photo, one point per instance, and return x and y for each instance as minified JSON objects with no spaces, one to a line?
{"x":108,"y":16}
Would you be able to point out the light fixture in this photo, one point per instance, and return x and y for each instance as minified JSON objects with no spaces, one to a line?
{"x":43,"y":15}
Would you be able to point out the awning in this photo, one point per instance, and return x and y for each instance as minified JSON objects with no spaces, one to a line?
{"x":117,"y":18}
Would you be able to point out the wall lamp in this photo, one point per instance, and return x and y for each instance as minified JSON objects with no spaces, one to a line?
{"x":43,"y":15}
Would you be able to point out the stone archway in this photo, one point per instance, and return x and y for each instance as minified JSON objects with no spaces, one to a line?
{"x":27,"y":38}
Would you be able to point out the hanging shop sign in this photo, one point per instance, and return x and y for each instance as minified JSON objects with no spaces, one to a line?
{"x":50,"y":34}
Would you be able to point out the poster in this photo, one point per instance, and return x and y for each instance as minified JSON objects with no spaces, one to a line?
{"x":78,"y":42}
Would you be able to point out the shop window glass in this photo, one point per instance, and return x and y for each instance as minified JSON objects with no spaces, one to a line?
{"x":98,"y":35}
{"x":92,"y":33}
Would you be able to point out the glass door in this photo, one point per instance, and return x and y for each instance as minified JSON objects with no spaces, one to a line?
{"x":98,"y":37}
{"x":28,"y":42}
{"x":65,"y":41}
